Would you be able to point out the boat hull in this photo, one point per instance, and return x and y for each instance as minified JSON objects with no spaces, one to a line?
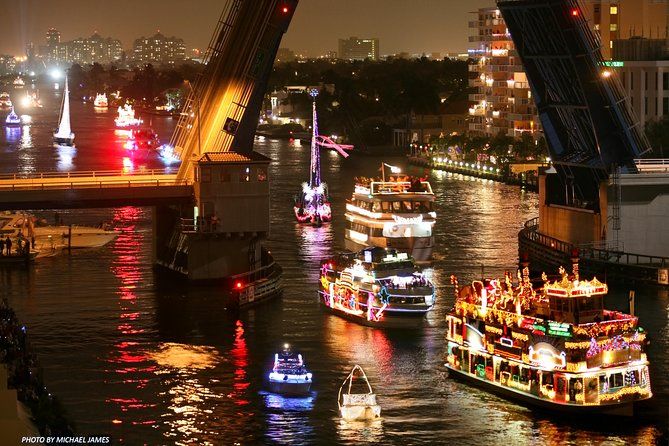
{"x":389,"y":320}
{"x":420,"y":248}
{"x":290,"y":387}
{"x":63,"y":141}
{"x":360,"y":413}
{"x":623,"y":409}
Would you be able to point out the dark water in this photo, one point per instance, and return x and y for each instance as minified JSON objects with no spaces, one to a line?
{"x":150,"y":362}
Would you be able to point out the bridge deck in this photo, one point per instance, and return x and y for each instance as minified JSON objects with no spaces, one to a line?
{"x":92,"y":189}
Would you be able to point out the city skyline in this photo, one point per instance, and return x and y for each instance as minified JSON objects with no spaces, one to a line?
{"x":435,"y":26}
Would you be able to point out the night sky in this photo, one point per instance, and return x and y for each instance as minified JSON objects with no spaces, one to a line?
{"x":414,"y":26}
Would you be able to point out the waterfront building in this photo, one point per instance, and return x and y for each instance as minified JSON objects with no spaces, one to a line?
{"x":7,"y":64}
{"x":643,"y":67}
{"x":503,"y":100}
{"x":359,"y":49}
{"x":452,"y":119}
{"x":285,"y":55}
{"x":622,"y":19}
{"x":82,"y":50}
{"x":159,"y":49}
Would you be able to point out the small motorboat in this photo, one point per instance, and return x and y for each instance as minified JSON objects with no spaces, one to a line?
{"x":143,"y":139}
{"x":5,"y":101}
{"x":289,"y":375}
{"x":357,"y":406}
{"x":12,"y":119}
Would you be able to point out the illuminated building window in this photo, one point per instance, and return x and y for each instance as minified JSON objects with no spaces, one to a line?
{"x":614,"y":27}
{"x":614,"y":9}
{"x":245,"y":175}
{"x":596,"y":26}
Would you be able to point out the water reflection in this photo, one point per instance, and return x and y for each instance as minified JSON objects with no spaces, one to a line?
{"x":65,"y":157}
{"x":288,"y":418}
{"x":12,"y":134}
{"x":361,"y":432}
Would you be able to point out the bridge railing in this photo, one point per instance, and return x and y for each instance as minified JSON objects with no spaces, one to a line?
{"x":652,"y":165}
{"x":87,"y":173}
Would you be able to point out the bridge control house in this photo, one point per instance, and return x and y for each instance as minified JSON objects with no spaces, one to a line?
{"x":230,"y":217}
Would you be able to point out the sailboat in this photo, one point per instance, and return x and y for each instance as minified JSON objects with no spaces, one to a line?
{"x":64,"y":136}
{"x":312,"y":204}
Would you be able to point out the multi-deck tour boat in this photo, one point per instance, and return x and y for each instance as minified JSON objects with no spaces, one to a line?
{"x":376,"y":287}
{"x":397,"y":213}
{"x":289,"y":376}
{"x":126,"y":117}
{"x":555,"y":347}
{"x":101,"y":100}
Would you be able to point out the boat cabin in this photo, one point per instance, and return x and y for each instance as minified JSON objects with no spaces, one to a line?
{"x":576,"y":302}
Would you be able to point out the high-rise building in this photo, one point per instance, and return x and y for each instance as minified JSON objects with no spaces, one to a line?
{"x":622,"y":19}
{"x":359,"y":49}
{"x":83,"y":51}
{"x":159,"y":49}
{"x":503,"y":101}
{"x":643,"y":67}
{"x":285,"y":55}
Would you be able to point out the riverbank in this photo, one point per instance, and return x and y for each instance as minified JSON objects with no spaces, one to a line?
{"x":525,"y":180}
{"x":25,"y":377}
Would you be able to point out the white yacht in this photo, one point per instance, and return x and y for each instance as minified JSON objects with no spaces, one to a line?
{"x":52,"y":237}
{"x":394,"y":213}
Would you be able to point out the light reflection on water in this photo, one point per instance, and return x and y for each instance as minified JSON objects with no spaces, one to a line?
{"x":132,"y":355}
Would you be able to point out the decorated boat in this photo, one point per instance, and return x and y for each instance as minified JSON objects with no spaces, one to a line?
{"x":126,"y":117}
{"x":554,"y":346}
{"x":289,"y":375}
{"x":395,"y":212}
{"x":5,"y":101}
{"x":356,"y":405}
{"x":19,"y":82}
{"x":376,"y":287}
{"x":63,"y":136}
{"x":312,"y":204}
{"x":143,"y":139}
{"x":101,"y":100}
{"x":12,"y":119}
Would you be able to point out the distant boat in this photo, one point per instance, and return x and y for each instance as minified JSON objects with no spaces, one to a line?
{"x":64,"y":136}
{"x":13,"y":119}
{"x":126,"y":117}
{"x":101,"y":101}
{"x":18,"y":82}
{"x":5,"y":101}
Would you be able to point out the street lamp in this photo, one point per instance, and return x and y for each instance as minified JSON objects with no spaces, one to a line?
{"x":197,"y":108}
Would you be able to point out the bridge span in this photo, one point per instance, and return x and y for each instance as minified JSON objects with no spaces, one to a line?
{"x":93,"y":189}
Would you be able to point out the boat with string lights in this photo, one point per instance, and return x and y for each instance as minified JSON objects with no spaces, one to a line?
{"x":395,"y":212}
{"x":5,"y":101}
{"x":312,"y":204}
{"x":555,"y":346}
{"x":101,"y":101}
{"x":126,"y":117}
{"x":289,"y":375}
{"x":376,"y":287}
{"x":12,"y":119}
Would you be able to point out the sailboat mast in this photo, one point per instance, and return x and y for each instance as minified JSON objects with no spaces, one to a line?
{"x":315,"y":179}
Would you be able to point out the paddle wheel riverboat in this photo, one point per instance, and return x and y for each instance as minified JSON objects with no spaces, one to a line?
{"x":376,"y":287}
{"x":555,"y":347}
